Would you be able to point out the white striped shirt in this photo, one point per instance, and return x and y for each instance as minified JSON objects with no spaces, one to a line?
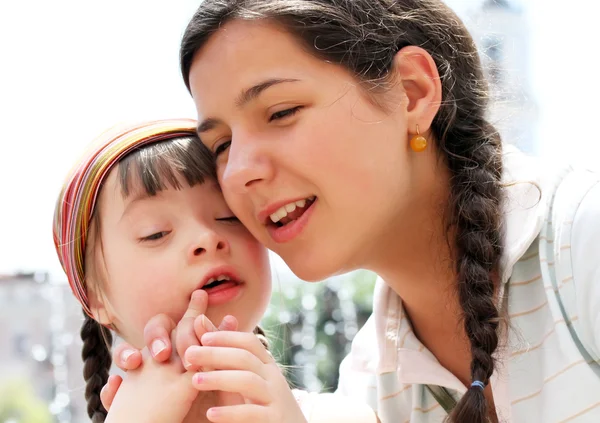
{"x":548,"y":368}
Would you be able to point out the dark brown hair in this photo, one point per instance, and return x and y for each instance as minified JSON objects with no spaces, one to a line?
{"x":364,"y":36}
{"x":151,"y":168}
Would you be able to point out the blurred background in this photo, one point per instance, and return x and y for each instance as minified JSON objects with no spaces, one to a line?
{"x":71,"y":68}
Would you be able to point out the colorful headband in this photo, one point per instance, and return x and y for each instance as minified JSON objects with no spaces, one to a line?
{"x":77,"y":199}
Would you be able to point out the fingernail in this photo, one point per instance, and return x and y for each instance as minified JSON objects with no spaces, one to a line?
{"x":126,"y":354}
{"x":186,"y":364}
{"x":196,"y":294}
{"x":158,"y":346}
{"x":198,"y":378}
{"x":229,"y":320}
{"x":207,"y":338}
{"x":212,"y":412}
{"x":207,"y":324}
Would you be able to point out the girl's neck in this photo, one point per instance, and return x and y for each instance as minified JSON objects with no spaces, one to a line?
{"x":206,"y":400}
{"x":203,"y":402}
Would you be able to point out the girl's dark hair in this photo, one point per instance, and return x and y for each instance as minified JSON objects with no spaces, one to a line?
{"x":364,"y":36}
{"x":96,"y":364}
{"x":150,"y":168}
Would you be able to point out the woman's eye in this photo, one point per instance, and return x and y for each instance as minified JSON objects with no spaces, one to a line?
{"x":231,"y":219}
{"x":222,"y":147}
{"x":284,"y":113}
{"x":155,"y":237}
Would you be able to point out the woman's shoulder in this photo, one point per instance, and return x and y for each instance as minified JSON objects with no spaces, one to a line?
{"x":333,"y":408}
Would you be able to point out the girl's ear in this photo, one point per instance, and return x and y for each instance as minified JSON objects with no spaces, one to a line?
{"x":100,"y":308}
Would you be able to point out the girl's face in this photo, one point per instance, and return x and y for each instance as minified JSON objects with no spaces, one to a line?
{"x":316,"y":170}
{"x":157,"y":250}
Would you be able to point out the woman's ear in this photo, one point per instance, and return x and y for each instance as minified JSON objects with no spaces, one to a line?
{"x":417,"y":72}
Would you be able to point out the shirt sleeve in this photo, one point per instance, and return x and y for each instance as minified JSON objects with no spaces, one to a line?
{"x":585,"y":259}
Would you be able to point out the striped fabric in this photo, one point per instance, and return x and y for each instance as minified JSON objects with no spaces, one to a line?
{"x":548,"y":369}
{"x":77,"y":199}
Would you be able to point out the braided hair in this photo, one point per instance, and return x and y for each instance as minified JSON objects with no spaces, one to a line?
{"x":95,"y":353}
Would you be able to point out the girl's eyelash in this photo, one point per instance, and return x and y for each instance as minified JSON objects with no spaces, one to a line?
{"x":284,"y":113}
{"x":275,"y":116}
{"x":155,"y":237}
{"x":231,"y":219}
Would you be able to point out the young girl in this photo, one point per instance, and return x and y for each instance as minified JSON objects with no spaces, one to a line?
{"x":373,"y":113}
{"x":142,"y":229}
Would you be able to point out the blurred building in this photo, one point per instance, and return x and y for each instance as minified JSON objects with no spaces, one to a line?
{"x":39,"y":346}
{"x":502,"y":32}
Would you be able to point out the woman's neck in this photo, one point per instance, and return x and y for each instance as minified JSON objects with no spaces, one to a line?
{"x":413,"y":253}
{"x":415,"y":259}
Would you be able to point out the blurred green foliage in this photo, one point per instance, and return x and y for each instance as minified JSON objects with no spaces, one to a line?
{"x":289,"y":306}
{"x":19,"y":404}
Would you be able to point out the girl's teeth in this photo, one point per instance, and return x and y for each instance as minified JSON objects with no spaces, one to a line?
{"x":219,"y":278}
{"x":300,"y":203}
{"x":290,"y":207}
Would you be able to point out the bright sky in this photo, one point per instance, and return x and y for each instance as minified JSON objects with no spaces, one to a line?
{"x":72,"y":68}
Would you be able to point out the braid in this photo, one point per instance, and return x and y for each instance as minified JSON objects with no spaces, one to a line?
{"x":472,"y":149}
{"x":475,"y":164}
{"x":97,"y":361}
{"x":476,"y":197}
{"x":262,"y":337}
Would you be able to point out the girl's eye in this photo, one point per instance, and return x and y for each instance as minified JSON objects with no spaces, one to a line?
{"x":231,"y":219}
{"x":155,"y":237}
{"x":284,"y":113}
{"x":222,"y":147}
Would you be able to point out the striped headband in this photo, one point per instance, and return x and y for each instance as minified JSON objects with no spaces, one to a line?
{"x":77,"y":199}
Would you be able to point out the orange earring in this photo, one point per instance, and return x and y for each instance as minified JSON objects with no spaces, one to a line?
{"x":418,"y":143}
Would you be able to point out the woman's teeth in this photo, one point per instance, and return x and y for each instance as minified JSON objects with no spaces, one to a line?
{"x":289,"y":208}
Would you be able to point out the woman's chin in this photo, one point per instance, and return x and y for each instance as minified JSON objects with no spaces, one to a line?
{"x":313,"y":270}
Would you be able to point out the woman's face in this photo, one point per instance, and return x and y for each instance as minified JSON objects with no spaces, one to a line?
{"x":313,"y":168}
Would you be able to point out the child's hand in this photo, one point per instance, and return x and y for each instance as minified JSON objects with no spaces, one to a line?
{"x":158,"y":331}
{"x":156,"y":392}
{"x":243,"y":366}
{"x":163,"y":329}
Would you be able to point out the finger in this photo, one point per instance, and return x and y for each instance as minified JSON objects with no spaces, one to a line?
{"x":223,"y":358}
{"x":108,"y":392}
{"x":185,"y":335}
{"x":247,"y":384}
{"x":157,"y":336}
{"x":242,"y":340}
{"x":202,"y":325}
{"x":229,"y":323}
{"x":241,"y":413}
{"x":126,"y":357}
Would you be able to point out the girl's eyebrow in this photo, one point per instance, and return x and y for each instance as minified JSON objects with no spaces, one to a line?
{"x":133,"y":199}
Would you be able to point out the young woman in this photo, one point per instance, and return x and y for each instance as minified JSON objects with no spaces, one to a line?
{"x":372,"y":115}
